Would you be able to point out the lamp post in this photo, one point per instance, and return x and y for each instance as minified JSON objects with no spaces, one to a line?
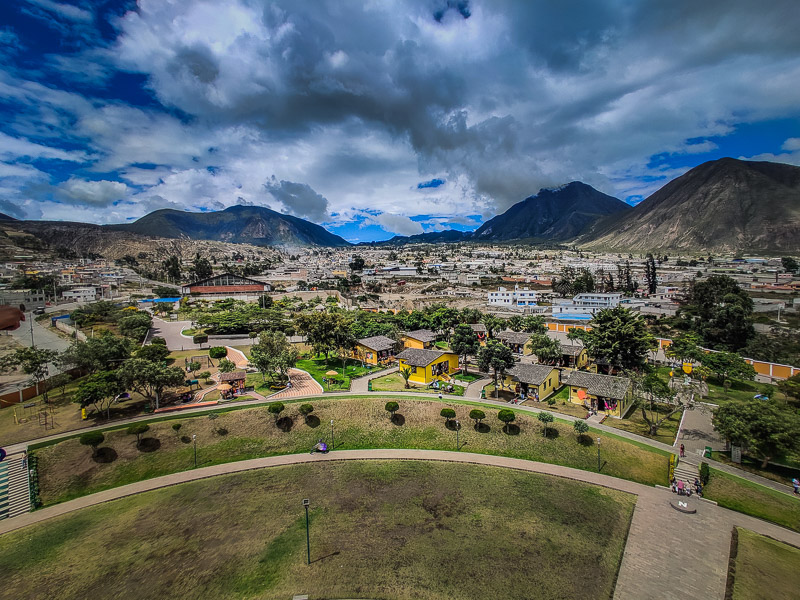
{"x":306,"y":502}
{"x":458,"y":428}
{"x":598,"y":455}
{"x":333,"y":444}
{"x":194,"y":440}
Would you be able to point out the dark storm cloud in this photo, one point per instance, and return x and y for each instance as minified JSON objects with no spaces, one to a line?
{"x":299,"y":199}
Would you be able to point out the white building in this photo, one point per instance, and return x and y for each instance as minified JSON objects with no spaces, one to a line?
{"x":81,"y":294}
{"x":512,"y":298}
{"x":587,"y":304}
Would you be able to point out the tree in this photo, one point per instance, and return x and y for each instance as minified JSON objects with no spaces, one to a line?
{"x":138,"y":429}
{"x":764,"y":428}
{"x":148,"y":378}
{"x":685,"y":348}
{"x":516,"y":323}
{"x":32,"y":362}
{"x":204,"y":375}
{"x":193,"y":366}
{"x":61,"y":380}
{"x":93,"y":439}
{"x":217,"y":352}
{"x":405,"y":373}
{"x":791,"y":386}
{"x":176,"y":427}
{"x":172,"y":268}
{"x":226,"y":366}
{"x":275,"y":408}
{"x":156,"y":353}
{"x":100,"y":353}
{"x":447,"y":413}
{"x":273,"y":354}
{"x":618,"y":336}
{"x":650,"y":274}
{"x":357,"y":264}
{"x":545,"y":418}
{"x":720,"y":311}
{"x":392,"y":407}
{"x":581,"y":427}
{"x":789,"y":264}
{"x":200,"y":339}
{"x":497,"y":357}
{"x":202,"y":268}
{"x":477,"y":415}
{"x":305,"y":410}
{"x":465,"y":342}
{"x":493,"y":324}
{"x":546,"y":349}
{"x":444,"y":319}
{"x":135,"y":325}
{"x":653,"y":393}
{"x":99,"y":390}
{"x":728,"y":365}
{"x":507,"y":416}
{"x":534,"y":324}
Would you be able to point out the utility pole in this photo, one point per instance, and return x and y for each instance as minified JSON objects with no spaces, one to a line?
{"x":33,"y":344}
{"x":306,"y":502}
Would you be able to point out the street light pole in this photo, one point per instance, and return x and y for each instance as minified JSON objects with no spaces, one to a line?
{"x":194,"y":440}
{"x":458,"y":428}
{"x":306,"y":502}
{"x":333,"y":444}
{"x":598,"y":455}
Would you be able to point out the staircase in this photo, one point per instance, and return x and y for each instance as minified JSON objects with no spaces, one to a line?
{"x":686,"y":472}
{"x":14,"y":492}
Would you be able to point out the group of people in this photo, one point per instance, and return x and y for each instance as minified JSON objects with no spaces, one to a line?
{"x":682,"y":488}
{"x":444,"y":387}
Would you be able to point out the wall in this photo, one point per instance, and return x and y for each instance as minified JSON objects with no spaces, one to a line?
{"x":69,"y":329}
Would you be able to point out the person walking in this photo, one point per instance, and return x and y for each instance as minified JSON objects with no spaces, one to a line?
{"x":796,"y":485}
{"x":683,"y":452}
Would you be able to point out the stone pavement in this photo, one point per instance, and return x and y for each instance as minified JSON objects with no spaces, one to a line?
{"x":473,"y":390}
{"x":302,"y":385}
{"x":669,"y":554}
{"x":697,"y":432}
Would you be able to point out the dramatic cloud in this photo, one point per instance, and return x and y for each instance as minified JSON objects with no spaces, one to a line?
{"x":362,"y":115}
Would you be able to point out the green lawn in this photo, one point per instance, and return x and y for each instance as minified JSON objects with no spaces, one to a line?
{"x":394,"y":382}
{"x":753,"y":499}
{"x":634,"y":423}
{"x":67,"y":469}
{"x":739,"y":390}
{"x":762,"y":564}
{"x":318,"y":366}
{"x":468,"y":377}
{"x":378,"y":529}
{"x":779,"y":473}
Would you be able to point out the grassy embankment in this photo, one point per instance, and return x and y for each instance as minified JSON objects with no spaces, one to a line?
{"x":762,"y":564}
{"x":397,"y":529}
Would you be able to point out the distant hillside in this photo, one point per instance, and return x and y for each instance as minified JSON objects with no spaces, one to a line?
{"x":726,"y":205}
{"x":238,"y":224}
{"x":5,"y":217}
{"x":557,"y":214}
{"x":449,"y":236}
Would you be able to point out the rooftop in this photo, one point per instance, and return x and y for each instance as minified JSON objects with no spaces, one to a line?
{"x":423,"y":335}
{"x":377,"y":343}
{"x":596,"y":384}
{"x":416,"y":357}
{"x":532,"y":374}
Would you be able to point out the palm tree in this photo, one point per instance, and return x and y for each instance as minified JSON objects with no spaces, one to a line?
{"x":405,"y":373}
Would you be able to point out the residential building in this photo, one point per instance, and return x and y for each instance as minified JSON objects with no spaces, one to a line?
{"x":533,"y":382}
{"x":512,"y":298}
{"x":602,"y":393}
{"x":81,"y":294}
{"x":419,"y":338}
{"x":515,"y":340}
{"x":226,"y":285}
{"x":428,"y":366}
{"x":586,"y":304}
{"x":375,"y":350}
{"x":574,"y":356}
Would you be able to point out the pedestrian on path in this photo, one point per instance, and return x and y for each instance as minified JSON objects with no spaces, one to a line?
{"x":683,"y":452}
{"x":796,"y":485}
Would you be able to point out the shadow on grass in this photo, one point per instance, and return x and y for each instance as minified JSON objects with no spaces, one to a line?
{"x":149,"y":444}
{"x":285,"y":424}
{"x":482,"y":428}
{"x":551,"y":433}
{"x":221,"y":431}
{"x":511,"y":429}
{"x":105,"y":456}
{"x":585,"y":440}
{"x":398,"y":419}
{"x":186,"y":439}
{"x":324,"y":557}
{"x":312,"y":421}
{"x":451,"y":425}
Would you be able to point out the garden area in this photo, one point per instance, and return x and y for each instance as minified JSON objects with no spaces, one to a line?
{"x":560,"y":401}
{"x":759,"y":563}
{"x":378,"y":522}
{"x":394,"y":382}
{"x":70,"y":469}
{"x":635,"y":423}
{"x":782,"y":473}
{"x":319,"y":367}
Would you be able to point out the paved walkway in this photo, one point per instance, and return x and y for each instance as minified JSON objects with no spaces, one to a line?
{"x":662,"y":558}
{"x":697,"y":432}
{"x":361,"y":385}
{"x":473,"y":390}
{"x":302,"y":385}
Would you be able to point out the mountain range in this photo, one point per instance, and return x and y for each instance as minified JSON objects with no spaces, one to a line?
{"x":727,"y":205}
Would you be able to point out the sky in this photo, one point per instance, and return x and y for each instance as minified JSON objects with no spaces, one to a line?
{"x":378,"y":118}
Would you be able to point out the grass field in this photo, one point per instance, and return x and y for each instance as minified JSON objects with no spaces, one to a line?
{"x":780,"y":473}
{"x":634,"y":423}
{"x":318,"y":366}
{"x":753,"y":499}
{"x":394,"y":382}
{"x":378,"y":529}
{"x":67,"y":469}
{"x":763,"y":564}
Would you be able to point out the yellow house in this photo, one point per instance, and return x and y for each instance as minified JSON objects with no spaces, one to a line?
{"x":574,"y":356}
{"x":420,"y":338}
{"x":517,"y":341}
{"x":375,"y":350}
{"x":533,"y":382}
{"x":480,"y":331}
{"x":602,"y":393}
{"x":428,"y":366}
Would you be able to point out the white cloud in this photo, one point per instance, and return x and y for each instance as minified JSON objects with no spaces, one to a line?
{"x":98,"y":194}
{"x":67,"y":11}
{"x":397,"y":224}
{"x":791,"y":144}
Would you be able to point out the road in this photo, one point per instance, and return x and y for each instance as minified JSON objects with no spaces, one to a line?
{"x":171,"y":332}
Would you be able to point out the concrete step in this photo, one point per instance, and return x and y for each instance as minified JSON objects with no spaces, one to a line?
{"x":18,"y":493}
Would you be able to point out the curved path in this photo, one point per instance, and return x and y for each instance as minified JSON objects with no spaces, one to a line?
{"x":667,"y":551}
